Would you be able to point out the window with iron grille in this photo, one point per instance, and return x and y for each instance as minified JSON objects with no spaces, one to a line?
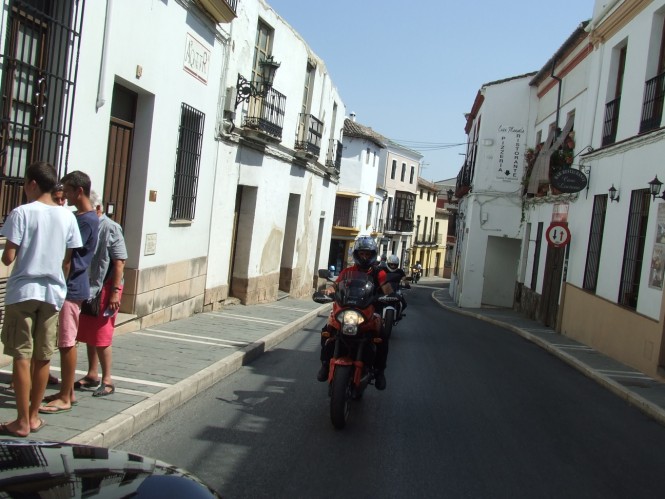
{"x":595,"y":242}
{"x":536,"y":256}
{"x":188,"y":159}
{"x":633,"y":252}
{"x":346,"y":209}
{"x":39,"y":68}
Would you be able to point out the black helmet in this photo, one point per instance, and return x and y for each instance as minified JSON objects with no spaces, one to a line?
{"x":364,"y":244}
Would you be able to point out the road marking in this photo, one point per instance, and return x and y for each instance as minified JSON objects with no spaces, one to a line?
{"x":287,"y":308}
{"x":183,"y":339}
{"x":118,"y":378}
{"x":240,"y":343}
{"x":245,"y":318}
{"x":572,"y":347}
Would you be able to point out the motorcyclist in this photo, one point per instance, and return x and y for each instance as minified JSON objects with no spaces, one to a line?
{"x":417,"y":269}
{"x":364,"y":257}
{"x":395,"y":276}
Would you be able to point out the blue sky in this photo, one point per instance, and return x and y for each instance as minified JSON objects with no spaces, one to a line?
{"x":411,"y":69}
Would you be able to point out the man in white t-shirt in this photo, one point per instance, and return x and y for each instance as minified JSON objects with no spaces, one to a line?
{"x":40,"y":239}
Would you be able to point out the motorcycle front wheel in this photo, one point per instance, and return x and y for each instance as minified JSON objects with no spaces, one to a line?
{"x":388,"y":323}
{"x":340,"y":396}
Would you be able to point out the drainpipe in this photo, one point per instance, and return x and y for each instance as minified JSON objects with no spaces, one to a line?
{"x":105,"y":48}
{"x":558,"y":97}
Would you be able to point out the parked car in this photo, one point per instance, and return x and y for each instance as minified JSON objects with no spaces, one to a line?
{"x":31,"y":468}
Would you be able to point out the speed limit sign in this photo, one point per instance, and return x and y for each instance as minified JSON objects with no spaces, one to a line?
{"x":557,"y":234}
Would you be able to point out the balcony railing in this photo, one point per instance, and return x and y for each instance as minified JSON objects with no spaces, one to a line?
{"x":310,"y":130}
{"x":652,"y":106}
{"x":346,"y":210}
{"x":611,"y":122}
{"x":222,"y":11}
{"x":266,"y":114}
{"x":399,"y":225}
{"x":429,"y":240}
{"x":334,"y":156}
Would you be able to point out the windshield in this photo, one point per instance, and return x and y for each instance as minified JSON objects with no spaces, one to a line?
{"x":356,"y":289}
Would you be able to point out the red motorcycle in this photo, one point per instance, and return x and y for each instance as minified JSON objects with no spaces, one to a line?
{"x":354,"y":329}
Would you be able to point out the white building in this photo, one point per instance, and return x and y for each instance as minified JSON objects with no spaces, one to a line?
{"x":358,"y":201}
{"x":489,"y":192}
{"x":141,"y":96}
{"x":398,"y":177}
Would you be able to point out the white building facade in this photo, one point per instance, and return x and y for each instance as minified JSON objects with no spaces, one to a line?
{"x":141,"y":96}
{"x":489,"y":193}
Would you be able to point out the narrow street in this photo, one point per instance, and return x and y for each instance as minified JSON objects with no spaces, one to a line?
{"x":471,"y":410}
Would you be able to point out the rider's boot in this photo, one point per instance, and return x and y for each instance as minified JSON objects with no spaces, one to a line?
{"x":380,"y":380}
{"x":322,"y":375}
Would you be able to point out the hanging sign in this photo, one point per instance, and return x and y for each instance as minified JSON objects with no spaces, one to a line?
{"x":557,"y":234}
{"x":569,"y":180}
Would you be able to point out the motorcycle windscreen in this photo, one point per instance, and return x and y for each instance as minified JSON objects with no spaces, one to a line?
{"x":356,"y":289}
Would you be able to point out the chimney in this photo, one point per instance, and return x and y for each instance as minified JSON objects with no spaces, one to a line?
{"x":352,"y":116}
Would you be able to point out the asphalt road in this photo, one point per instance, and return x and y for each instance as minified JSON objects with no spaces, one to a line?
{"x":471,"y":411}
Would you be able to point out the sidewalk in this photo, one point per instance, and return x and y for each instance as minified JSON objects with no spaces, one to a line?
{"x":638,"y":389}
{"x":159,"y":368}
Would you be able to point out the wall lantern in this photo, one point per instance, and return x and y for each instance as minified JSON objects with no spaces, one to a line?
{"x":614,"y":196}
{"x":247,"y":89}
{"x":449,"y":194}
{"x":654,"y":188}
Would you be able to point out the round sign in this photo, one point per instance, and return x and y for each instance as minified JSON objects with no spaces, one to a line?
{"x":569,"y":180}
{"x":557,"y":234}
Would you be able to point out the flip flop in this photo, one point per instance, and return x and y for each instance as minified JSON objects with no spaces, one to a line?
{"x":42,"y":423}
{"x":55,"y":396}
{"x":53,"y":409}
{"x":101,"y":391}
{"x":87,"y":384}
{"x":5,"y":431}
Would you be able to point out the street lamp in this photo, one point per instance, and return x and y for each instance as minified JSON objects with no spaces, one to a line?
{"x":654,"y":188}
{"x":247,"y":89}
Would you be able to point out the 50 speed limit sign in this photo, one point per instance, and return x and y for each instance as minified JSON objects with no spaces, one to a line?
{"x":557,"y":234}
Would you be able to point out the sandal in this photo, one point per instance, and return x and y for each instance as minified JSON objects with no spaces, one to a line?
{"x":87,"y":383}
{"x":104,"y":390}
{"x":56,"y":396}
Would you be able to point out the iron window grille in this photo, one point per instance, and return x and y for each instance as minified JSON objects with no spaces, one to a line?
{"x":346,"y":210}
{"x":611,"y":122}
{"x":310,"y":131}
{"x":40,"y":66}
{"x":633,"y":253}
{"x":595,"y":242}
{"x":188,"y":160}
{"x":334,"y":157}
{"x":652,"y":107}
{"x":401,"y":219}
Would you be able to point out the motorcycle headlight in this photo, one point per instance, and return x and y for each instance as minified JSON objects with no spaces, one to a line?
{"x":350,"y":320}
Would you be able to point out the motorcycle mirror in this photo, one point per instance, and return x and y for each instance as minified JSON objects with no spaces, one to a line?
{"x":324,"y":274}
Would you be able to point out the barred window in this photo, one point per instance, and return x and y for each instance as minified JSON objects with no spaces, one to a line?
{"x":39,"y":67}
{"x":188,"y":159}
{"x":633,"y":252}
{"x":595,"y":242}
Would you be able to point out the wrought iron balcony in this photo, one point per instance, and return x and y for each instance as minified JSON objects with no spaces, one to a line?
{"x":266,"y":114}
{"x":399,"y":225}
{"x":346,"y":210}
{"x":310,"y":130}
{"x":611,"y":121}
{"x":652,"y":106}
{"x":334,"y":156}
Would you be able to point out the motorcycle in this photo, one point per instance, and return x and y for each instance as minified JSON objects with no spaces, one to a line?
{"x":392,"y":306}
{"x":416,"y":274}
{"x":354,"y":329}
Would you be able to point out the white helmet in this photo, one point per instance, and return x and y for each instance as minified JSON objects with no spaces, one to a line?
{"x":393,"y":262}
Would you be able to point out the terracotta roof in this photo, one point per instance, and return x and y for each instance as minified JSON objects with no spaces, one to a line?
{"x":355,"y":129}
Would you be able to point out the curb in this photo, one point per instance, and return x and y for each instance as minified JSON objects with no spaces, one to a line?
{"x":136,"y":418}
{"x":653,"y":410}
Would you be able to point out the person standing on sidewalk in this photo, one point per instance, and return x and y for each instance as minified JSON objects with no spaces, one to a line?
{"x":76,"y":188}
{"x":40,"y":239}
{"x":106,"y":273}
